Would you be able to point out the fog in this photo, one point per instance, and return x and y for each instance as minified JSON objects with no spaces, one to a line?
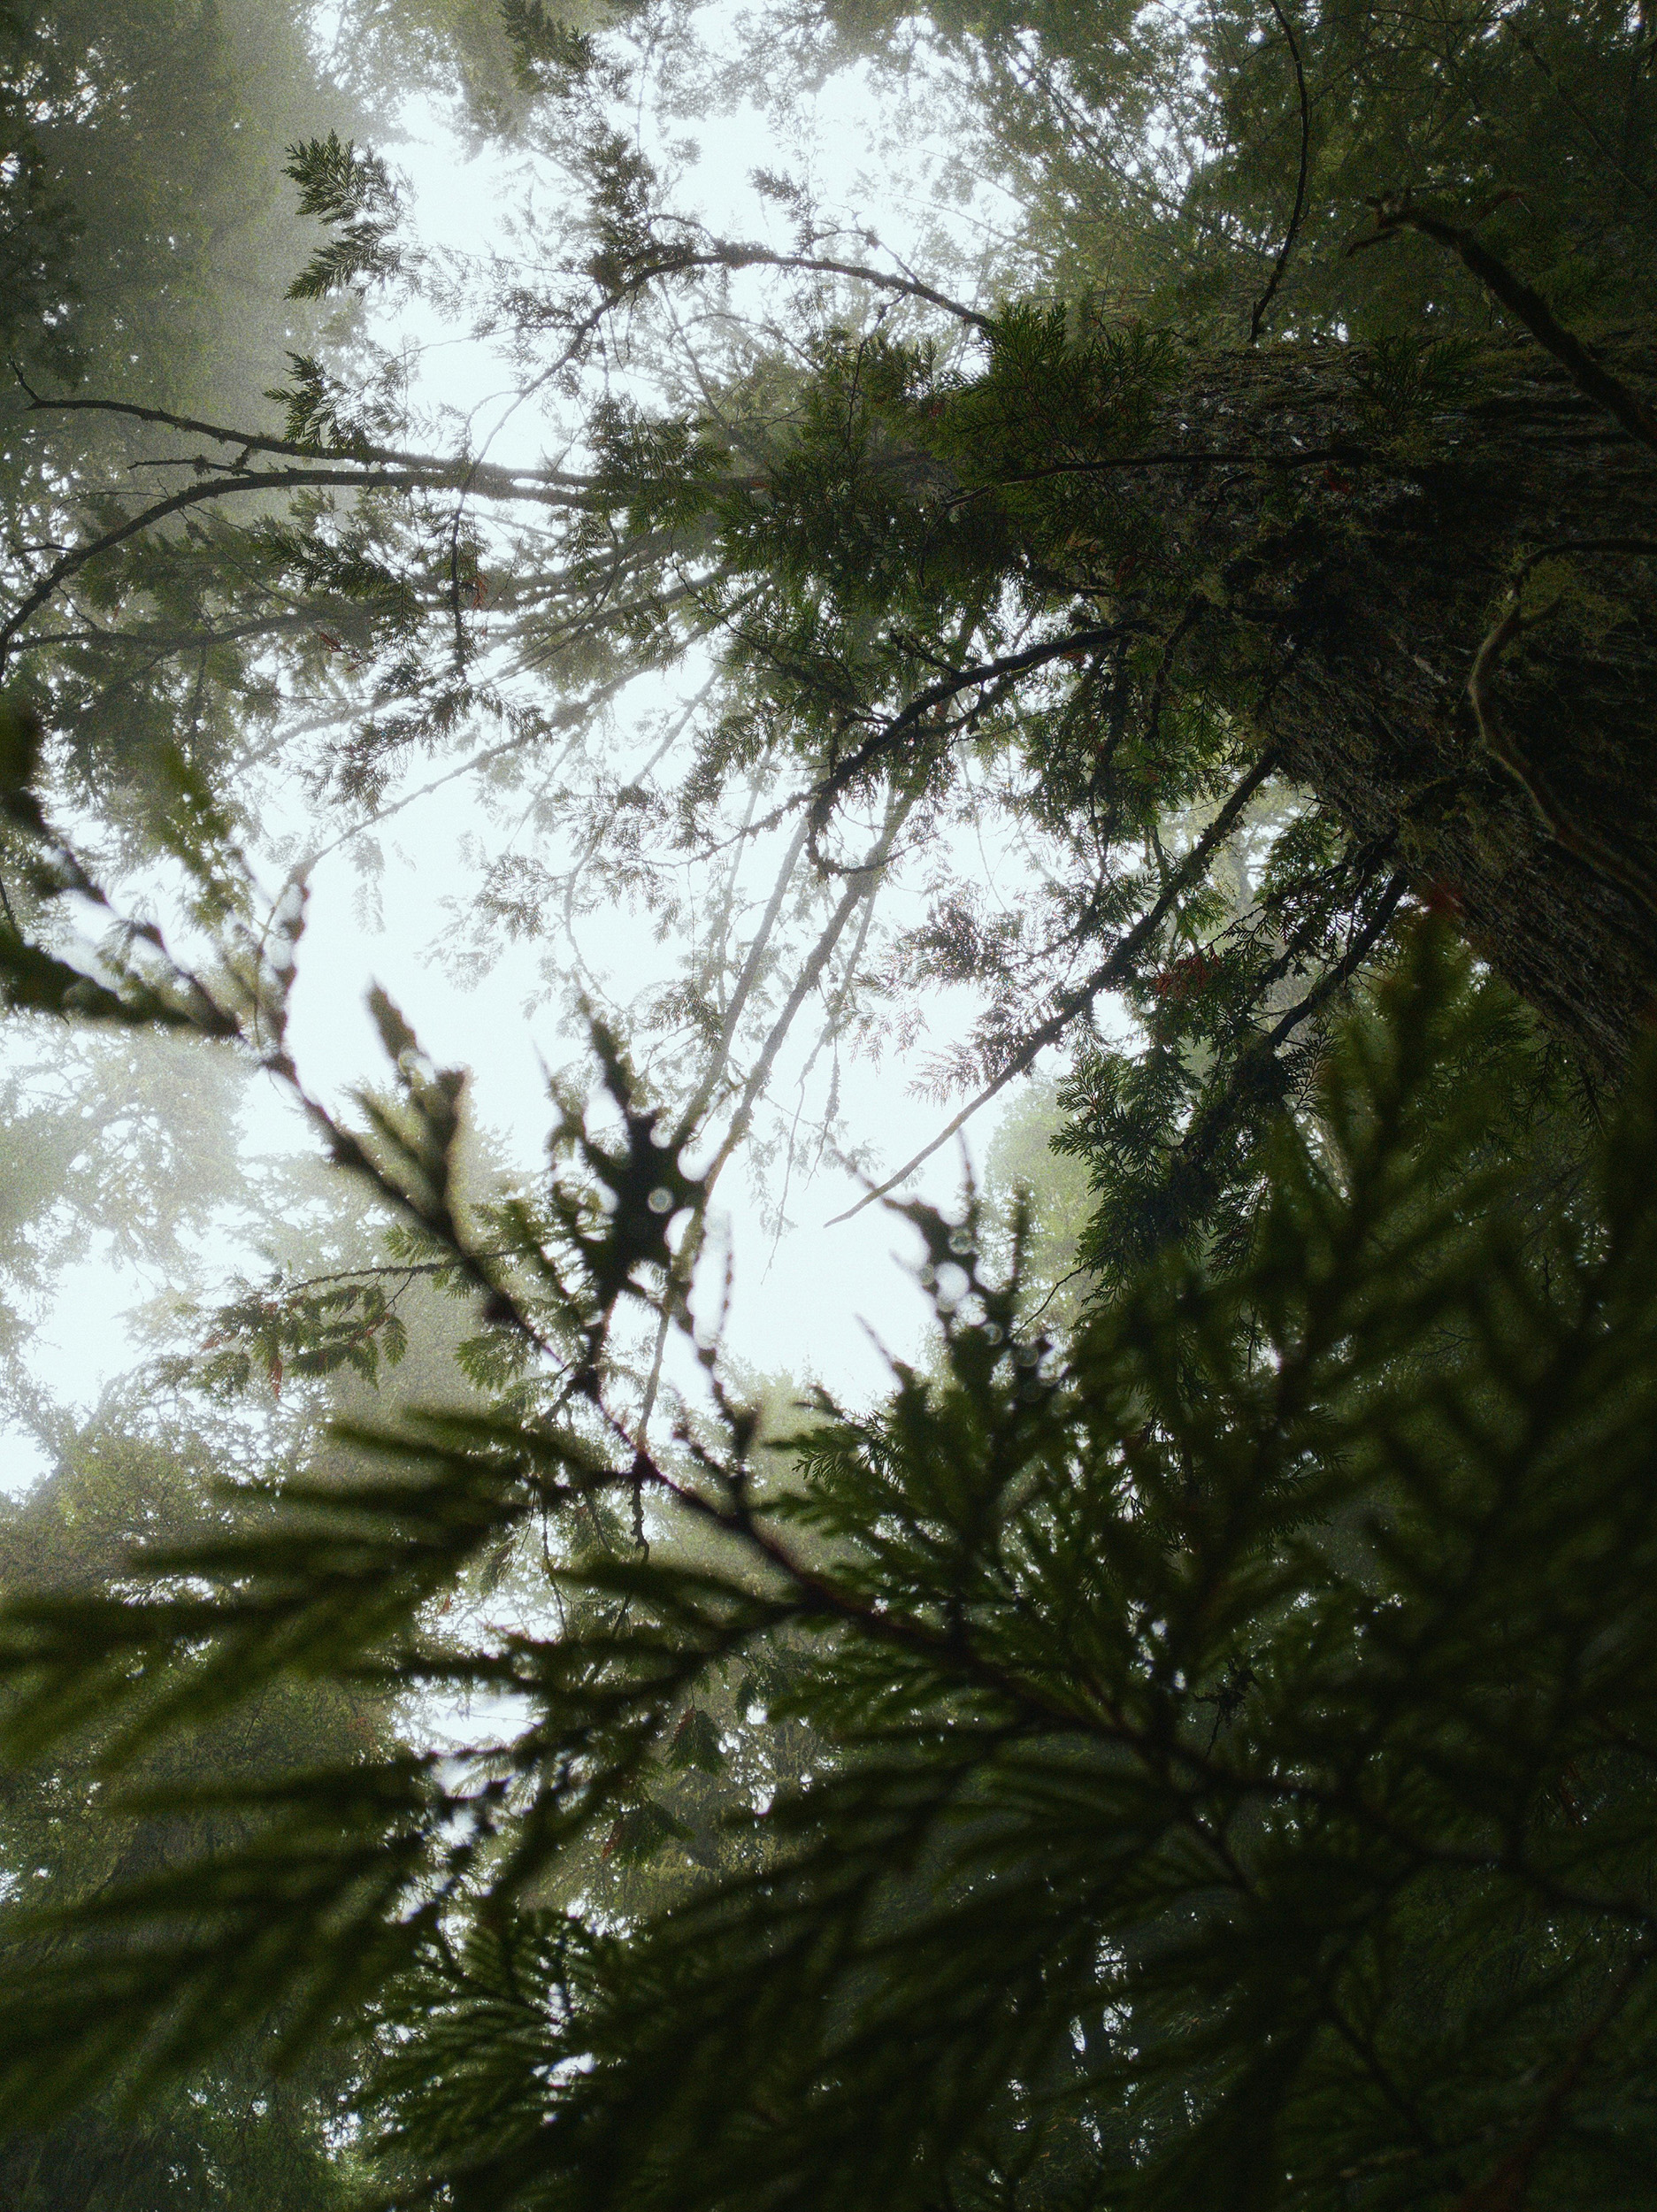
{"x":388,"y":898}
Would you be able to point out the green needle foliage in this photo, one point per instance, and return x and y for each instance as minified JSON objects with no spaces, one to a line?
{"x":786,"y":551}
{"x":1236,"y":1786}
{"x":1202,"y":1760}
{"x":1209,"y":1763}
{"x":226,"y":2134}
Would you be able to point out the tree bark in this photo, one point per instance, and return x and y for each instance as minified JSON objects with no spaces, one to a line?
{"x":1368,"y":604}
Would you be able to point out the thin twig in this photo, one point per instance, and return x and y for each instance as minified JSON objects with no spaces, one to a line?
{"x":1079,"y":1001}
{"x":858,"y":889}
{"x":751,"y":968}
{"x":1258,"y":317}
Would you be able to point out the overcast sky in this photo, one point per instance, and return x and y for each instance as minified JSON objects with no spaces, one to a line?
{"x":814,"y":1300}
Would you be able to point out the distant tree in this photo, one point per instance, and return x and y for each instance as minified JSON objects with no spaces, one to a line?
{"x":118,"y":1148}
{"x":1024,"y":1170}
{"x":1210,"y":1740}
{"x":147,"y":242}
{"x":229,"y":2134}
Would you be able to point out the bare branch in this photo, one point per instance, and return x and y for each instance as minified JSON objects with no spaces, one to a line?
{"x":1258,"y":317}
{"x":745,"y":983}
{"x":1080,"y":1000}
{"x":257,"y":441}
{"x":446,"y":477}
{"x":856,"y":892}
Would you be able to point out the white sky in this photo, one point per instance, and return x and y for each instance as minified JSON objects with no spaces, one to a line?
{"x":812,"y":1306}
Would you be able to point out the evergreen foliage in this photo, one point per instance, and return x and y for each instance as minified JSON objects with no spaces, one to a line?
{"x":1196,"y":1754}
{"x":229,"y":2133}
{"x":1126,"y":569}
{"x":1221,"y":1770}
{"x":1223,"y":1794}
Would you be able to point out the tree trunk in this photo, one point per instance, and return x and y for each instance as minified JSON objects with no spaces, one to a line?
{"x":1376,"y":595}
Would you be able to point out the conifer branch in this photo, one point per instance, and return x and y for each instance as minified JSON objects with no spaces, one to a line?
{"x":1589,"y":375}
{"x":1111,"y":972}
{"x":1255,"y":1072}
{"x":854,"y":764}
{"x":1507,"y":2189}
{"x":736,"y":257}
{"x":364,"y":479}
{"x":1345,"y":455}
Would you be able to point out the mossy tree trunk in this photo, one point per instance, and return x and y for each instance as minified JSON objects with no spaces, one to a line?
{"x":1354,"y":592}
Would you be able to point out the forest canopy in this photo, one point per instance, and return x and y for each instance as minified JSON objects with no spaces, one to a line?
{"x":1190,"y":1741}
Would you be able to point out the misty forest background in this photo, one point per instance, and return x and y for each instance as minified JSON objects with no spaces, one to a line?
{"x":615,"y":622}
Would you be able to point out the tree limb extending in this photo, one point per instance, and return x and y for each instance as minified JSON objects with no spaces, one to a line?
{"x":1589,"y":375}
{"x":1112,"y":970}
{"x":1257,"y":319}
